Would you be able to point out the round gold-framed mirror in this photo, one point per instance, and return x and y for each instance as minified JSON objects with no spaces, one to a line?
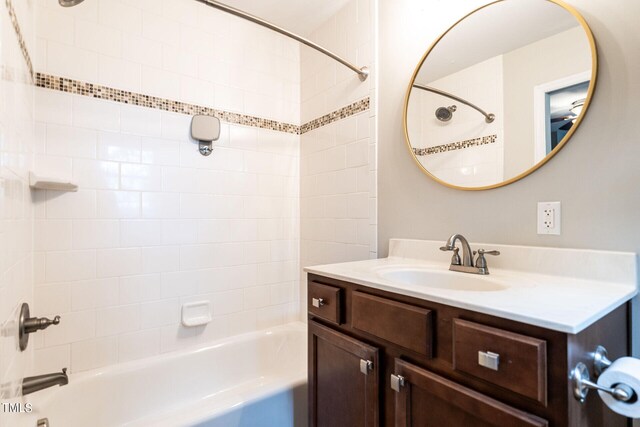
{"x":500,"y":92}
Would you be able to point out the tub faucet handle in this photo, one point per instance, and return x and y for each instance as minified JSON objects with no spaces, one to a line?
{"x":28,"y":325}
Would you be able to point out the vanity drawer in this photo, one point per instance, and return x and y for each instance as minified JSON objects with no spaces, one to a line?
{"x":512,"y":361}
{"x":406,"y":325}
{"x":325,"y":301}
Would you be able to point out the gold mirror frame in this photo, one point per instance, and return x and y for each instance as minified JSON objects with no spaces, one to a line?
{"x":592,"y":86}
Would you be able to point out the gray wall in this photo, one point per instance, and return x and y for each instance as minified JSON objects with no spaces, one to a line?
{"x":596,"y":176}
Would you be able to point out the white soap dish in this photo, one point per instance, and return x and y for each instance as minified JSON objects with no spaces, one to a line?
{"x":48,"y":183}
{"x":196,"y":313}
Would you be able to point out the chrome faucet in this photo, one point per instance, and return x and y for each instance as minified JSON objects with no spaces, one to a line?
{"x":40,"y":382}
{"x":466,"y":264}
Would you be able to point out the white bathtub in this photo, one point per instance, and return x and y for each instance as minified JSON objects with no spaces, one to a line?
{"x":257,"y":379}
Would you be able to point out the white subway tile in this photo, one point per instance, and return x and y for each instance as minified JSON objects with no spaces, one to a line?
{"x":76,"y":326}
{"x":158,"y":82}
{"x":142,"y":288}
{"x":91,"y":294}
{"x":52,"y":299}
{"x":54,"y":25}
{"x":140,"y":232}
{"x":51,"y":359}
{"x":53,"y":106}
{"x":119,"y":147}
{"x":256,"y":297}
{"x":96,"y":174}
{"x":178,"y":61}
{"x":160,"y":205}
{"x":358,"y":205}
{"x":138,"y":345}
{"x":227,"y":302}
{"x":176,"y":337}
{"x":121,"y":16}
{"x":117,"y":320}
{"x":98,"y":38}
{"x":177,"y":284}
{"x":160,"y":29}
{"x":178,"y":232}
{"x":140,"y":177}
{"x":160,"y":151}
{"x":118,"y":204}
{"x":358,"y":153}
{"x":140,"y":120}
{"x":143,"y":51}
{"x":48,"y":166}
{"x":176,"y":126}
{"x":95,"y":234}
{"x":95,"y":113}
{"x":160,"y":313}
{"x":69,"y":266}
{"x":119,"y":262}
{"x":160,"y":259}
{"x":52,"y":235}
{"x":72,"y":62}
{"x":94,"y":353}
{"x":70,"y":141}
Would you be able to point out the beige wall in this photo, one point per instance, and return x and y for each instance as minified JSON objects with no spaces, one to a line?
{"x":559,"y":56}
{"x":595,"y":176}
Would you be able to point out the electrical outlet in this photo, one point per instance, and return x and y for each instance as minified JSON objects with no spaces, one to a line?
{"x":549,"y":218}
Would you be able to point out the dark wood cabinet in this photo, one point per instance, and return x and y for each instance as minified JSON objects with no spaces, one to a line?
{"x":343,"y":380}
{"x":428,"y":400}
{"x":440,"y":353}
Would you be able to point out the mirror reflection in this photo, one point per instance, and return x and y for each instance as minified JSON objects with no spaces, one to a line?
{"x":500,"y":92}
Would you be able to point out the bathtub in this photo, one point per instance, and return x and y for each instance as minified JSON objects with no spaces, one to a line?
{"x":256,"y":379}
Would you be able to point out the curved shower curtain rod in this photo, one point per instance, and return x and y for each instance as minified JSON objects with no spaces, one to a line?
{"x":488,"y":117}
{"x":363,"y":72}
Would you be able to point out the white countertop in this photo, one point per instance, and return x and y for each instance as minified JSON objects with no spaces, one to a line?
{"x":569,"y":303}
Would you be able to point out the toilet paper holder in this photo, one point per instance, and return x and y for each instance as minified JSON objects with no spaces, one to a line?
{"x":581,"y":382}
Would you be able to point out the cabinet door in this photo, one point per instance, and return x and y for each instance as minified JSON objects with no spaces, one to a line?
{"x":428,"y":400}
{"x":343,"y":380}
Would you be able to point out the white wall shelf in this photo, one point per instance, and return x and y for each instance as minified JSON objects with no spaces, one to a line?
{"x":50,"y":183}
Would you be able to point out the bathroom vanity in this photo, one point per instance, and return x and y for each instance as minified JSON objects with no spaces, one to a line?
{"x":387,"y":347}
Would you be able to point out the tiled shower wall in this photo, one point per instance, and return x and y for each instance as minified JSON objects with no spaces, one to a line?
{"x":155,"y":224}
{"x":16,"y":212}
{"x":338,"y":161}
{"x":176,"y":49}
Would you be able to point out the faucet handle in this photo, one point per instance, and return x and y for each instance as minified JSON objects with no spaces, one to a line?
{"x":483,"y":252}
{"x":481,"y":261}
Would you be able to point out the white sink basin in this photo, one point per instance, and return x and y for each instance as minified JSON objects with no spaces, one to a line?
{"x":455,"y":281}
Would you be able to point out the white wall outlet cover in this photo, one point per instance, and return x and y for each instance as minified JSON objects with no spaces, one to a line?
{"x":549,"y":218}
{"x":205,"y":128}
{"x":196,"y":313}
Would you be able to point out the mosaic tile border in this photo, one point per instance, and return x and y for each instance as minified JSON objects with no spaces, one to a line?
{"x":23,"y":44}
{"x":342,"y":113}
{"x":458,"y":145}
{"x":97,"y":91}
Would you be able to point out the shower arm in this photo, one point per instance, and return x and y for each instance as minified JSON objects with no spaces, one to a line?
{"x":363,"y":72}
{"x":489,"y":117}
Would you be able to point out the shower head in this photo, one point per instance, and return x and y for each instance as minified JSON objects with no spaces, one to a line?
{"x":444,"y":114}
{"x":69,"y":3}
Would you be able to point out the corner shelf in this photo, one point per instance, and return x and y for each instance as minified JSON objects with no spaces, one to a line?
{"x":49,"y":183}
